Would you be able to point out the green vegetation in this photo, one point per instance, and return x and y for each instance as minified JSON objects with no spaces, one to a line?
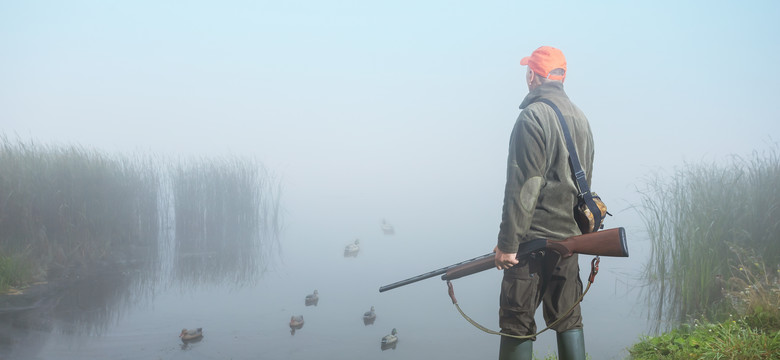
{"x":714,"y":273}
{"x":727,"y":340}
{"x":66,"y":209}
{"x":698,"y":223}
{"x":751,"y":331}
{"x":13,"y":272}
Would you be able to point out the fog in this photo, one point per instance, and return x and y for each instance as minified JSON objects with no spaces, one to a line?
{"x":390,"y":110}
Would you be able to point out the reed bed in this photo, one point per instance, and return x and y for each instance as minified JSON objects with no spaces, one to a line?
{"x":225,"y":213}
{"x":698,"y":221}
{"x":68,"y":206}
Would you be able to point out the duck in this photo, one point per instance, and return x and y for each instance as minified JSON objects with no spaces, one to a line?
{"x":387,"y":228}
{"x":296,"y":323}
{"x":369,"y":317}
{"x":391,"y":339}
{"x":312,"y":299}
{"x":191,"y":335}
{"x":352,"y":249}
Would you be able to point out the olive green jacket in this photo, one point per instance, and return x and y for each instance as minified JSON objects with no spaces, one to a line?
{"x":541,"y":193}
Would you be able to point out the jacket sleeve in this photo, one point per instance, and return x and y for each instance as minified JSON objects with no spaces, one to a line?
{"x":526,"y":166}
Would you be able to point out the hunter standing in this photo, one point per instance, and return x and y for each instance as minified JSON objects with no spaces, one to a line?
{"x":539,"y":199}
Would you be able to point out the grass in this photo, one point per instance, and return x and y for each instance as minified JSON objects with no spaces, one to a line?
{"x":713,"y":277}
{"x":726,"y":340}
{"x":13,"y":273}
{"x":695,"y":220}
{"x":751,"y":331}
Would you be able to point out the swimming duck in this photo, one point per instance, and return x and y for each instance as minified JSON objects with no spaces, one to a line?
{"x":191,"y":335}
{"x":390,"y":339}
{"x":369,"y":317}
{"x":352,"y":249}
{"x":296,"y":323}
{"x":312,"y":299}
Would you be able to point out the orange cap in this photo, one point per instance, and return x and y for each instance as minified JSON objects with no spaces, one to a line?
{"x":545,"y":59}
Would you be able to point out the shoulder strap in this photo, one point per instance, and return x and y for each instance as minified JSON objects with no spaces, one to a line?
{"x":579,"y":174}
{"x":582,"y":181}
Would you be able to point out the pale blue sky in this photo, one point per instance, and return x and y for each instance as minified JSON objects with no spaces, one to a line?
{"x":408,"y":103}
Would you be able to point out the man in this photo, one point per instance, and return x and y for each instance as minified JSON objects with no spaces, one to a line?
{"x":539,"y":199}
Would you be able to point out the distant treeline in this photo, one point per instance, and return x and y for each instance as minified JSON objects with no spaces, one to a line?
{"x":69,"y":207}
{"x":709,"y":224}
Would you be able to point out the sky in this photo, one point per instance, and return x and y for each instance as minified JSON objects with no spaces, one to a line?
{"x":397,"y":109}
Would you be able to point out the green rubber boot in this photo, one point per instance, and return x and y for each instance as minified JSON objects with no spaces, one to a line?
{"x":515,"y":349}
{"x":571,"y":345}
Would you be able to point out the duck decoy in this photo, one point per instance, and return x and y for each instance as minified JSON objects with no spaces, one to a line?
{"x":369,"y":317}
{"x":312,"y":299}
{"x":296,"y":323}
{"x":389,"y":341}
{"x":387,"y":228}
{"x":352,"y":249}
{"x":191,"y":335}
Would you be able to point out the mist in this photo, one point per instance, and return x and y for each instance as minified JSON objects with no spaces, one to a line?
{"x":391,"y":110}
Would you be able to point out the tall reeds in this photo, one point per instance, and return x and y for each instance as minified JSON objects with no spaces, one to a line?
{"x":695,"y":220}
{"x":65,"y":206}
{"x":224,"y":212}
{"x":69,"y":207}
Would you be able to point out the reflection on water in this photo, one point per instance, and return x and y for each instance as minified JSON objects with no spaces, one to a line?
{"x":384,"y":346}
{"x":85,"y":305}
{"x":210,"y":223}
{"x":220,"y":216}
{"x":208,"y":249}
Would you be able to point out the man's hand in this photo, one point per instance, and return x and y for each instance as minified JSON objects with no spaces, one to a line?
{"x":505,"y":260}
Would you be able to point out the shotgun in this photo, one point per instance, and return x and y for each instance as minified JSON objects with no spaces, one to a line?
{"x":611,"y":242}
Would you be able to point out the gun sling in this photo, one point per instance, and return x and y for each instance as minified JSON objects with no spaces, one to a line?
{"x":594,"y":269}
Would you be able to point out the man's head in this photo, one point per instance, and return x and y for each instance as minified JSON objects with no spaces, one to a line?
{"x":545,"y":64}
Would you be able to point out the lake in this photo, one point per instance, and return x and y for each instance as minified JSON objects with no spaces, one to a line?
{"x":122,"y":317}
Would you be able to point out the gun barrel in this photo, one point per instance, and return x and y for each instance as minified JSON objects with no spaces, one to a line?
{"x":430,"y":274}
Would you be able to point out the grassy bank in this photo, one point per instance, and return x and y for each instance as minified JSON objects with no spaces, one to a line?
{"x":733,"y":339}
{"x":702,"y":222}
{"x":748,"y":329}
{"x":713,"y":277}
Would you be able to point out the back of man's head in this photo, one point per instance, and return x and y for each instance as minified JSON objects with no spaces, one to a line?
{"x":547,"y":62}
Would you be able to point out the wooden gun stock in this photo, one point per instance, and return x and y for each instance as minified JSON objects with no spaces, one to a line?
{"x":611,"y":242}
